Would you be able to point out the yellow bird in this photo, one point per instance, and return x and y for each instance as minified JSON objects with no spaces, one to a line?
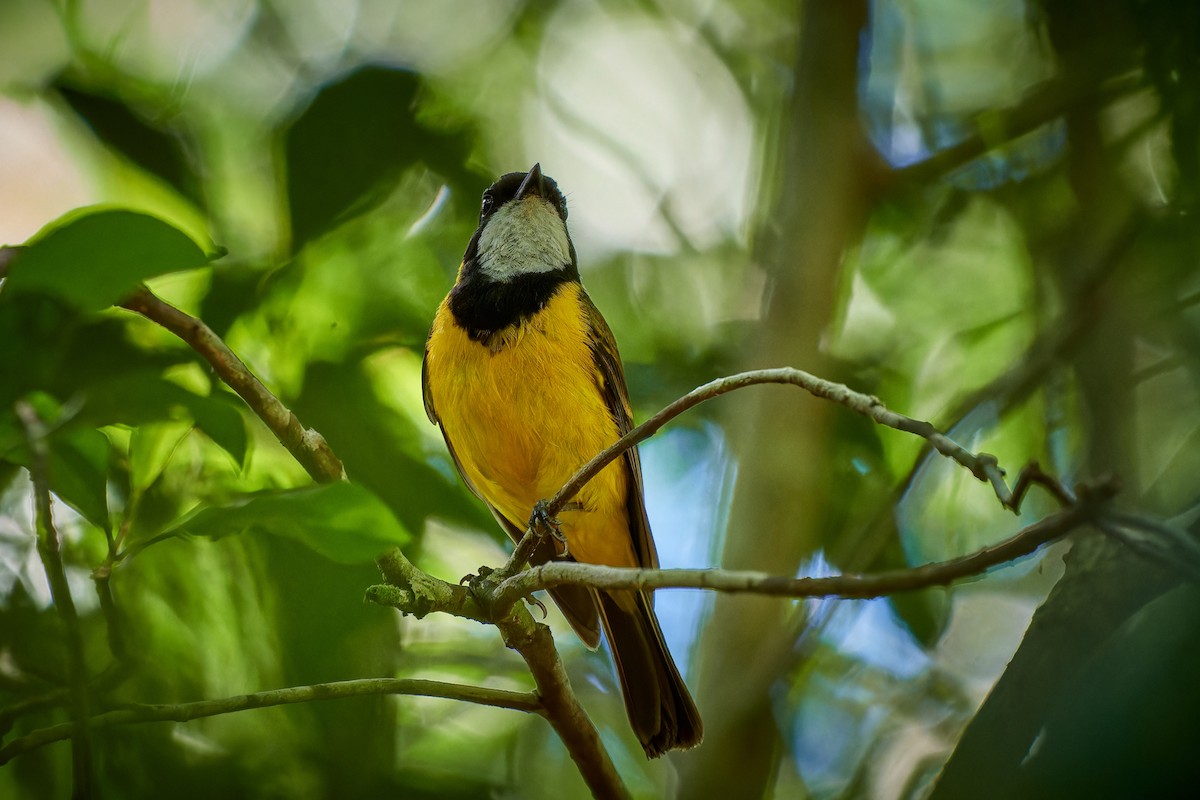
{"x":522,"y":374}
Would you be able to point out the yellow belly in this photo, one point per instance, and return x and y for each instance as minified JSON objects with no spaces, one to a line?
{"x":524,"y":417}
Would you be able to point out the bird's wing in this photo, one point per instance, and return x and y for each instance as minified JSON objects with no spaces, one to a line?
{"x":616,"y":397}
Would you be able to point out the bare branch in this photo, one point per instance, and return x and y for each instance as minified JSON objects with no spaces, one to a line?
{"x":415,"y":592}
{"x":983,"y":466}
{"x":305,"y":444}
{"x":858,"y":586}
{"x":1045,"y":104}
{"x":183,"y":712}
{"x":493,"y":597}
{"x":49,"y":549}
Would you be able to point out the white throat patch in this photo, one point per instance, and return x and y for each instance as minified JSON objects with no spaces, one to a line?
{"x":523,"y":237}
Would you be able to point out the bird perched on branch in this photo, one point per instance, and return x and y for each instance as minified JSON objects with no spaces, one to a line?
{"x":522,"y":374}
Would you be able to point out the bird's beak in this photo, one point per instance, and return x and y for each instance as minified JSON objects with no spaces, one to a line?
{"x":532,"y":185}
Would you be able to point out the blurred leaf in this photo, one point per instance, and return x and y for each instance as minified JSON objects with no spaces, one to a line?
{"x":46,"y":345}
{"x":234,"y":289}
{"x":925,"y":613}
{"x":148,"y":397}
{"x":342,"y":521}
{"x":219,"y":416}
{"x":345,"y":150}
{"x":150,"y":448}
{"x":1142,"y":679}
{"x":77,"y":470}
{"x":79,"y":473}
{"x":381,"y":449}
{"x":151,"y":147}
{"x":92,"y":258}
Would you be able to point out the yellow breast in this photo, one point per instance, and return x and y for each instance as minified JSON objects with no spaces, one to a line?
{"x":524,"y":414}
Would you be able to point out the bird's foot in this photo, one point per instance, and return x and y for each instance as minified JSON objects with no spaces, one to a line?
{"x":472,"y":578}
{"x":545,"y":524}
{"x":478,"y":583}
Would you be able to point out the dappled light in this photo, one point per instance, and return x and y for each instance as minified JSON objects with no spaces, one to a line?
{"x":906,"y":298}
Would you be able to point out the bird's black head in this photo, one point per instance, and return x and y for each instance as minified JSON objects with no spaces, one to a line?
{"x":522,"y":229}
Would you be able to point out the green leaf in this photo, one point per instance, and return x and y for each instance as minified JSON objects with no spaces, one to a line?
{"x":342,"y":521}
{"x":78,"y":458}
{"x":345,"y":150}
{"x":150,"y":448}
{"x":92,"y":258}
{"x":79,"y":473}
{"x":381,"y":449}
{"x":219,"y":416}
{"x":159,"y":151}
{"x":77,"y":468}
{"x":46,"y":345}
{"x":148,"y":397}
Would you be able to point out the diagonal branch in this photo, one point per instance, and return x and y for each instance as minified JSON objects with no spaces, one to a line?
{"x":305,"y":444}
{"x":1045,"y":104}
{"x":982,"y":466}
{"x":414,"y":592}
{"x":183,"y":712}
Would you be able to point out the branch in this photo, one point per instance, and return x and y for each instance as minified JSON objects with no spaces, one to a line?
{"x":306,"y":445}
{"x":415,"y":592}
{"x":183,"y":712}
{"x":983,"y":466}
{"x":493,"y":598}
{"x":860,"y":586}
{"x":1045,"y":104}
{"x":49,"y":548}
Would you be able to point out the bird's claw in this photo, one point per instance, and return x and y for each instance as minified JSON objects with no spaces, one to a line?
{"x":533,"y":601}
{"x":542,"y":522}
{"x":472,"y":577}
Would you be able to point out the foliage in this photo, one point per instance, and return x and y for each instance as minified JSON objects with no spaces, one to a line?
{"x":980,"y":213}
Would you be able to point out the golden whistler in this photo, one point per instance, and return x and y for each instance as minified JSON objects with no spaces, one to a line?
{"x":523,"y":376}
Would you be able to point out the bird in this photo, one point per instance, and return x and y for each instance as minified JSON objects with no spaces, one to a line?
{"x":522,"y":375}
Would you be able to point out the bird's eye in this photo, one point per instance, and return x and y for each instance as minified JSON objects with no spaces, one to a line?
{"x":487,"y":205}
{"x":562,"y":207}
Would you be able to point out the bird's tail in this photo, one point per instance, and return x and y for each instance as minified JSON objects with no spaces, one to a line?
{"x":660,"y":709}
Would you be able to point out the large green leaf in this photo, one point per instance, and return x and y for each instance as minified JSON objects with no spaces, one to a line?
{"x":79,"y":473}
{"x":150,"y":448}
{"x":153,"y":147}
{"x":381,"y":449}
{"x":147,"y":397}
{"x":92,"y":258}
{"x":344,"y":151}
{"x":342,"y":521}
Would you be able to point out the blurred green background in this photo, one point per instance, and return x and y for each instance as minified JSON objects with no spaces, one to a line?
{"x":981,"y":212}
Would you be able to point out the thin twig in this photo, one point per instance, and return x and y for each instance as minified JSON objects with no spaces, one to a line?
{"x":982,"y":466}
{"x":28,"y":705}
{"x":183,"y":712}
{"x":49,"y":548}
{"x":305,"y":444}
{"x":858,"y":586}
